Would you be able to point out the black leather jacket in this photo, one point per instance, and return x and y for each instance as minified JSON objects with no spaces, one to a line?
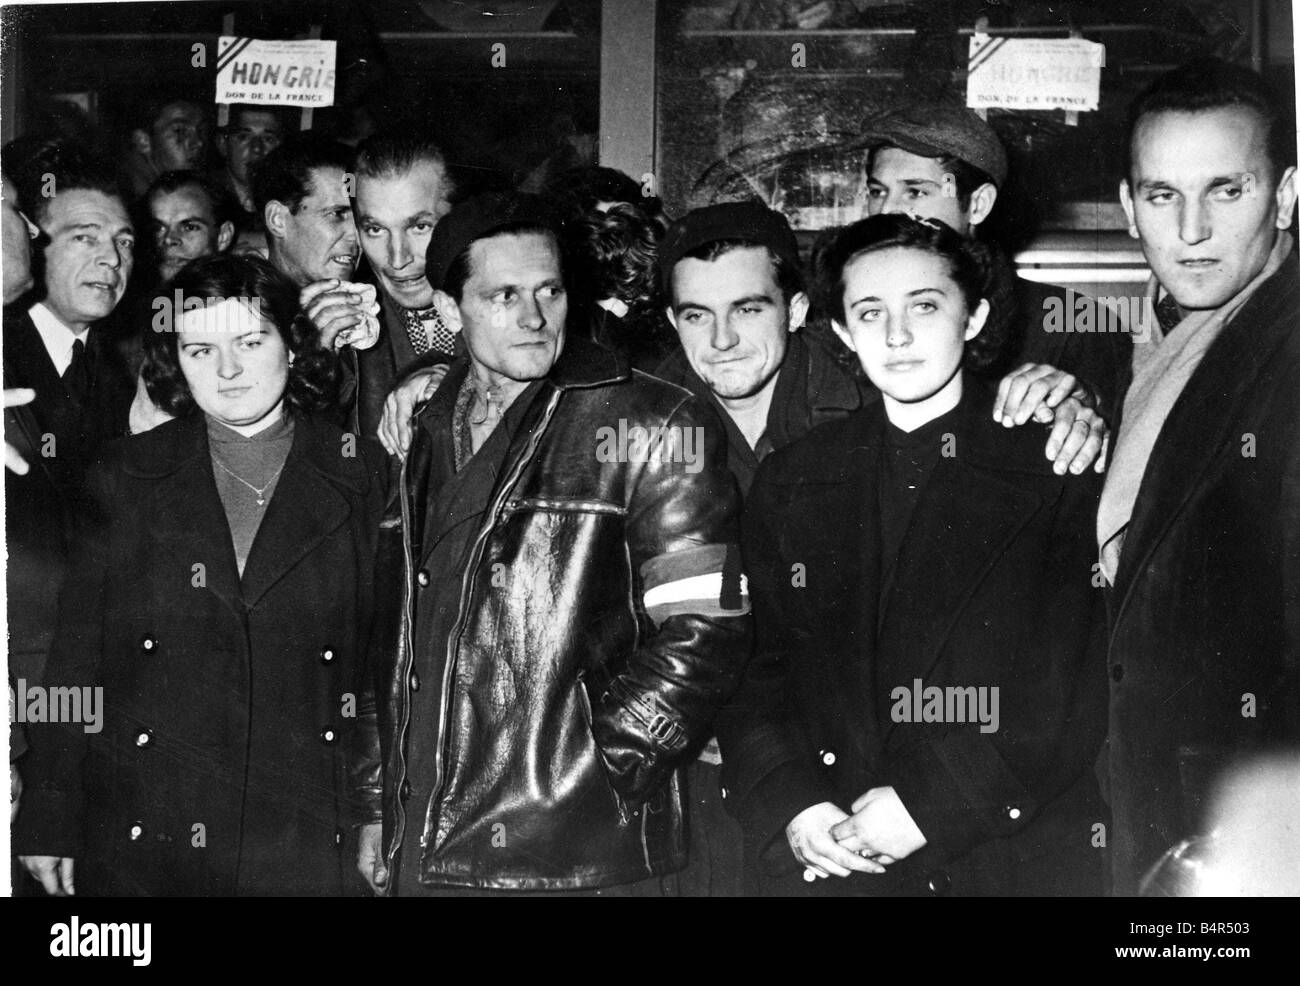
{"x":577,"y":764}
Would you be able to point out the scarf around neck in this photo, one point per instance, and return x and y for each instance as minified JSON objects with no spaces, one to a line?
{"x":1162,"y":365}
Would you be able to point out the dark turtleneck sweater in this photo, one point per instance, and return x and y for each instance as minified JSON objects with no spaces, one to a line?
{"x":257,"y":460}
{"x":908,"y":459}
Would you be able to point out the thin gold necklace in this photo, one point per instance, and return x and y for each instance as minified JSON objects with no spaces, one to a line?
{"x":260,"y":493}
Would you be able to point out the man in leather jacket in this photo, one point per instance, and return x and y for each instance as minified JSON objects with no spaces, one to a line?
{"x":568,"y":609}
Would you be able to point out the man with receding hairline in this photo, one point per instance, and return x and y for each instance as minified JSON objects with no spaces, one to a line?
{"x":402,"y":189}
{"x":1199,"y":523}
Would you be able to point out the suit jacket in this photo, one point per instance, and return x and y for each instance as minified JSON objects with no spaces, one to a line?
{"x":228,"y":703}
{"x":377,"y":370}
{"x":992,"y":588}
{"x":1205,"y":612}
{"x":57,"y":435}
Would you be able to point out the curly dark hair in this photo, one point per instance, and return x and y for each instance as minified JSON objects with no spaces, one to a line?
{"x":972,"y":265}
{"x":621,"y":246}
{"x":577,"y":192}
{"x":313,"y":376}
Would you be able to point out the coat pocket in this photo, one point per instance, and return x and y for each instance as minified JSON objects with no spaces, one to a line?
{"x":584,"y":705}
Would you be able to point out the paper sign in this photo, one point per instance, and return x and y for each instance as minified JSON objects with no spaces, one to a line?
{"x":1034,"y":73}
{"x":275,"y":73}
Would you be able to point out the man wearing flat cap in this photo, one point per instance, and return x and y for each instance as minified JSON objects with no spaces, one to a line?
{"x":938,"y":160}
{"x":568,"y":613}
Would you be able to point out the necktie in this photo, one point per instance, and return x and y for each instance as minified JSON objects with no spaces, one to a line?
{"x":76,"y":378}
{"x":1167,"y":314}
{"x":443,"y":339}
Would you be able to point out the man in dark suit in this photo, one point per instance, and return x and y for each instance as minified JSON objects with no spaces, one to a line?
{"x":402,"y":190}
{"x":1199,"y":523}
{"x":56,"y":348}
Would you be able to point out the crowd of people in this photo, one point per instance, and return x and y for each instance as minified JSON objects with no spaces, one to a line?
{"x":419,"y":540}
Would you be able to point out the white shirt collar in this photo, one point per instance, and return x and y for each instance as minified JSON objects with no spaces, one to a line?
{"x":58,"y":338}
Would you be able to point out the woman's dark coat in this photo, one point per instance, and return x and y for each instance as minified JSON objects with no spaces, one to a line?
{"x":993,"y":587}
{"x":228,"y":705}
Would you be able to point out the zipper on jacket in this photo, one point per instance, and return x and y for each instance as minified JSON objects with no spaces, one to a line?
{"x":399,"y":829}
{"x":645,"y":839}
{"x":466,"y":588}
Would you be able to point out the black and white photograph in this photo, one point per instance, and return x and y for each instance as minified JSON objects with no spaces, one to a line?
{"x":653,"y":448}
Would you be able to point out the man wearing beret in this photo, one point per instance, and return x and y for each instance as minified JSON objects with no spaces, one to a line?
{"x":568,"y":613}
{"x":732,"y":275}
{"x":939,"y":160}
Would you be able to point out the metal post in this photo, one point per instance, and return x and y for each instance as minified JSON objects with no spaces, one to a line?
{"x":627,"y":86}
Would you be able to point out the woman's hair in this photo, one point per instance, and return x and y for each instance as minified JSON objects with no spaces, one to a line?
{"x":972,"y":265}
{"x":617,"y":251}
{"x":314,"y":374}
{"x":622,"y":248}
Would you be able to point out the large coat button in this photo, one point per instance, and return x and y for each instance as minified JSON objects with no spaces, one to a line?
{"x":1013,"y":813}
{"x":422,"y":577}
{"x":144,"y":738}
{"x":415,"y":682}
{"x":136,"y":832}
{"x":327,"y":655}
{"x":149,"y":644}
{"x":938,"y":883}
{"x":328,"y":736}
{"x":828,"y":757}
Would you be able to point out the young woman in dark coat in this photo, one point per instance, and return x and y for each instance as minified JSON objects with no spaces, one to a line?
{"x":221,"y":601}
{"x":927,"y":696}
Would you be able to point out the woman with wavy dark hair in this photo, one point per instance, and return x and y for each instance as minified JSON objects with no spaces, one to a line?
{"x":618,"y":246}
{"x":927,"y":695}
{"x":215,"y":619}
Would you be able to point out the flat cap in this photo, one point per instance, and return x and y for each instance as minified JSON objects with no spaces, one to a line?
{"x":749,"y":221}
{"x":940,"y":128}
{"x":475,"y":219}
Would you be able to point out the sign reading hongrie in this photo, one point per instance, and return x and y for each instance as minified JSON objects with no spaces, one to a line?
{"x":1034,"y":73}
{"x":275,"y":73}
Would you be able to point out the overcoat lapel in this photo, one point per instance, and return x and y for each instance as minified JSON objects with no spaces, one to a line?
{"x":1206,"y":416}
{"x":306,"y":507}
{"x":190,"y":519}
{"x":25,"y":354}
